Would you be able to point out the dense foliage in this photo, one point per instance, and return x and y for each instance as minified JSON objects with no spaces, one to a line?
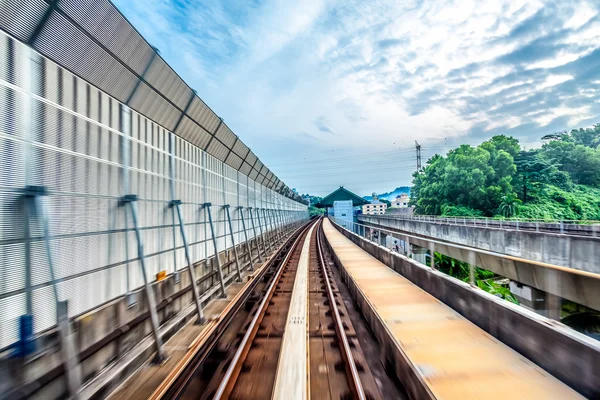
{"x":484,"y":279}
{"x":312,"y":201}
{"x":560,"y":180}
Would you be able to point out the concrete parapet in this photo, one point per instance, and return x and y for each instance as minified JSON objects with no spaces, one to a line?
{"x":573,"y":251}
{"x":582,"y":288}
{"x":568,"y":355}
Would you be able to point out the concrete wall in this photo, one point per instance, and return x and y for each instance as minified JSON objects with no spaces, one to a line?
{"x":581,"y":289}
{"x":568,"y":355}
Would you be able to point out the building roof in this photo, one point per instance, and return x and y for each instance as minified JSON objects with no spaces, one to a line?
{"x":377,"y":202}
{"x":340,"y":195}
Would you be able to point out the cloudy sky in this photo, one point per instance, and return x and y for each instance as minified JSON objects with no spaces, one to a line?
{"x":331,"y":93}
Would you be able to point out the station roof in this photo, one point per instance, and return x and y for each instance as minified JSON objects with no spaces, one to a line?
{"x":341,"y":194}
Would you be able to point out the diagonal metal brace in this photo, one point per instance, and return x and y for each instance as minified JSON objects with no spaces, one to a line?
{"x":207,"y":206}
{"x":131,"y":201}
{"x":195,"y":292}
{"x":248,"y":248}
{"x":235,"y":253}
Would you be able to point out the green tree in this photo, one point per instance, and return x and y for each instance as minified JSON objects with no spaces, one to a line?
{"x":498,"y":178}
{"x":508,"y":206}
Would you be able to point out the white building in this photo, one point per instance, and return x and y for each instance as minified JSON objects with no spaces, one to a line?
{"x":374,"y":207}
{"x":401,"y":201}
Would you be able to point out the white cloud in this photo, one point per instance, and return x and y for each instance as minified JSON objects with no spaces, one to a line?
{"x":554,"y":80}
{"x":376,"y":73}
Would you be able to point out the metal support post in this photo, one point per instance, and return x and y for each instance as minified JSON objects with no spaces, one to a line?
{"x":268,"y":229}
{"x":281,"y":217}
{"x":235,"y":253}
{"x":176,"y":205}
{"x":248,"y":248}
{"x":67,"y":350}
{"x":262,"y":236}
{"x":34,"y":205}
{"x":214,"y":240}
{"x":277,"y":225}
{"x":256,"y":237}
{"x":130,"y":200}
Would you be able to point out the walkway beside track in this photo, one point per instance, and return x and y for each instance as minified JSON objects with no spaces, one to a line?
{"x":291,"y":380}
{"x":449,"y":356}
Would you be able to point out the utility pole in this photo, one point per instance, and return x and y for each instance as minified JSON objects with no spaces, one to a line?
{"x":418,"y":149}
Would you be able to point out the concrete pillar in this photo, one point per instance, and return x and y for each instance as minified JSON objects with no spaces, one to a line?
{"x":419,"y":254}
{"x":383,"y":239}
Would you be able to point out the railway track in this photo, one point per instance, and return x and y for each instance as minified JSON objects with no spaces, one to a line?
{"x":291,"y":338}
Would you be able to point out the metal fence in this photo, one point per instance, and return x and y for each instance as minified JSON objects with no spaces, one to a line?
{"x":71,"y":153}
{"x":578,"y":227}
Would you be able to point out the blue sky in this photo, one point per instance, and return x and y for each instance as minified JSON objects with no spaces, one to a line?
{"x":354,"y":83}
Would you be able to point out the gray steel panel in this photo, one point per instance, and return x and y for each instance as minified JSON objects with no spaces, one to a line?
{"x":258,"y":166}
{"x":218,"y":150}
{"x":225,"y":135}
{"x":203,"y":115}
{"x":103,"y":21}
{"x":20,"y":17}
{"x":251,"y":158}
{"x":245,"y":168}
{"x":253,"y":174}
{"x":166,"y":81}
{"x":241,"y":149}
{"x":148,"y":102}
{"x":191,"y":132}
{"x":4,"y":62}
{"x":234,"y":161}
{"x":84,"y":57}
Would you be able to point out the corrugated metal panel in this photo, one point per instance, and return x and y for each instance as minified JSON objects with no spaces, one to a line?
{"x":148,"y":102}
{"x":191,"y":132}
{"x":85,"y":58}
{"x":240,"y":149}
{"x":20,"y":17}
{"x":162,"y":77}
{"x":258,"y":166}
{"x":216,"y":149}
{"x":245,"y":168}
{"x":225,"y":135}
{"x":203,"y":115}
{"x":100,"y":19}
{"x":253,"y":174}
{"x":260,"y":179}
{"x":113,"y":61}
{"x":251,"y":158}
{"x":233,"y":160}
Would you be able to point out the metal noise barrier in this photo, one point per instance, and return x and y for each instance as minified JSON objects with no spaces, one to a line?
{"x":104,"y":179}
{"x":93,"y":40}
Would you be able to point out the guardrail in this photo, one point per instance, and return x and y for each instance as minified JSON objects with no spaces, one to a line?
{"x":581,"y":227}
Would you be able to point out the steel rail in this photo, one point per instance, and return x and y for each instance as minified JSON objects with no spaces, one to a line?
{"x":175,"y":383}
{"x":351,"y":370}
{"x":235,"y":366}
